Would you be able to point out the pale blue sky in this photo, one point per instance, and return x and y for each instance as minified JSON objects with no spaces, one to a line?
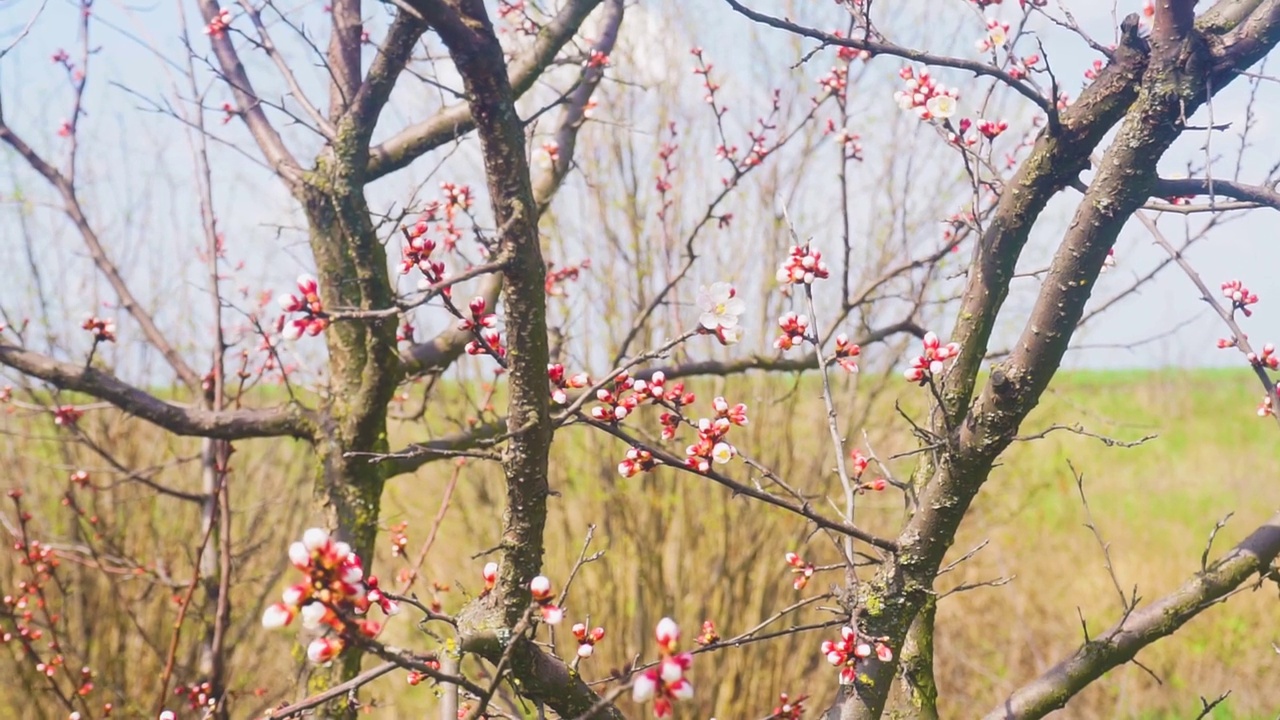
{"x":137,"y":183}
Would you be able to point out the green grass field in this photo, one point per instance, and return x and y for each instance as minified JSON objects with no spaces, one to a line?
{"x":675,"y":545}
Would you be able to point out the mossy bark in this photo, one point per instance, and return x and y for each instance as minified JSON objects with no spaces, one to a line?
{"x":351,"y":267}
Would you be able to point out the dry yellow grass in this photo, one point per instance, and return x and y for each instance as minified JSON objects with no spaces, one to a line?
{"x":677,"y":546}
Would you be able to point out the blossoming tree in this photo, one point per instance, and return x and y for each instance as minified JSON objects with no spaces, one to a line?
{"x":377,"y":274}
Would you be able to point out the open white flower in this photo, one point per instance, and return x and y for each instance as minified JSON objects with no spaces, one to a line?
{"x":941,"y":106}
{"x":720,"y":306}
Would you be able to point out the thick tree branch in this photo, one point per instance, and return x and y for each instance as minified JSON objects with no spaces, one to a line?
{"x":1055,"y":161}
{"x":1188,"y":187}
{"x":1175,"y":83}
{"x":248,"y":106}
{"x":1138,"y":629}
{"x":224,"y":425}
{"x":454,"y":122}
{"x":392,"y":57}
{"x":575,"y":111}
{"x":441,"y":351}
{"x":282,"y":65}
{"x":1173,"y":19}
{"x":465,"y":28}
{"x":344,"y":54}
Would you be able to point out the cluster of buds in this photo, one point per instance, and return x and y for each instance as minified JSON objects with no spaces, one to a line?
{"x":709,"y":635}
{"x":1020,"y":70}
{"x":1092,"y":72}
{"x":803,"y":265}
{"x":711,"y":444}
{"x":218,"y":25}
{"x":925,"y":96}
{"x":335,"y":594}
{"x":836,"y":82}
{"x":991,"y":129}
{"x":456,"y":197}
{"x":416,"y":677}
{"x":417,"y":254}
{"x":560,"y":383}
{"x":849,"y":141}
{"x":313,"y":319}
{"x":925,"y":366}
{"x":801,"y":569}
{"x":665,"y":682}
{"x":399,"y":540}
{"x":1240,"y":296}
{"x":1266,"y":407}
{"x":849,"y":54}
{"x":484,"y":324}
{"x":851,"y":649}
{"x":67,"y":415}
{"x":788,"y":709}
{"x":540,"y":588}
{"x":103,"y":330}
{"x":1267,"y":359}
{"x":847,"y":353}
{"x":859,"y":468}
{"x":598,"y":59}
{"x":703,"y":68}
{"x":997,"y":36}
{"x":795,"y":331}
{"x":551,"y":152}
{"x":199,"y":695}
{"x":636,"y":461}
{"x":556,"y":278}
{"x":587,"y":639}
{"x":629,"y":393}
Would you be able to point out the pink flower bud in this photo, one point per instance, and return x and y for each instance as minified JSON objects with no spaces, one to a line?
{"x":299,"y":556}
{"x":540,"y":587}
{"x":314,"y":539}
{"x":277,"y":616}
{"x":307,"y":284}
{"x":289,"y":303}
{"x":643,"y":688}
{"x":681,"y":689}
{"x":667,"y":633}
{"x":322,"y":650}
